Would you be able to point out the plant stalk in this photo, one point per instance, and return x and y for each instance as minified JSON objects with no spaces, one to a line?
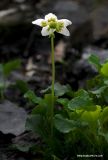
{"x":53,"y":81}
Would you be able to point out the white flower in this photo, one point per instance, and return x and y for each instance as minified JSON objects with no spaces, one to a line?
{"x":51,"y":24}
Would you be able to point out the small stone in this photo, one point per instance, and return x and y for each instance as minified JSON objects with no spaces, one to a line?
{"x":12,"y":118}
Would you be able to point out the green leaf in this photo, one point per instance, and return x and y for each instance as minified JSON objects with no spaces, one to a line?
{"x":44,"y":106}
{"x":10,"y":66}
{"x":104,"y":69}
{"x":104,"y":95}
{"x":59,"y":89}
{"x":82,"y":101}
{"x":106,"y":81}
{"x":47,"y":103}
{"x":39,"y":110}
{"x":104,"y":119}
{"x":63,"y":101}
{"x":81,"y":92}
{"x":105,"y":135}
{"x":91,"y":117}
{"x":32,"y":97}
{"x":105,"y":112}
{"x":95,"y":82}
{"x":34,"y":123}
{"x":65,"y":125}
{"x":22,"y":85}
{"x":99,"y":90}
{"x":38,"y":124}
{"x":48,"y":99}
{"x":95,"y":60}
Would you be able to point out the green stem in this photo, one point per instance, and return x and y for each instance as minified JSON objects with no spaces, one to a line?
{"x":53,"y":81}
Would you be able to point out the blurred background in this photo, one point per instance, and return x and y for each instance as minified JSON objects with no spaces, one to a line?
{"x":20,"y":39}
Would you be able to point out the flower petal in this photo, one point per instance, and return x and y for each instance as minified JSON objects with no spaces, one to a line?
{"x":64,"y":31}
{"x":65,"y":21}
{"x":49,"y":16}
{"x":45,"y":31}
{"x":38,"y":22}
